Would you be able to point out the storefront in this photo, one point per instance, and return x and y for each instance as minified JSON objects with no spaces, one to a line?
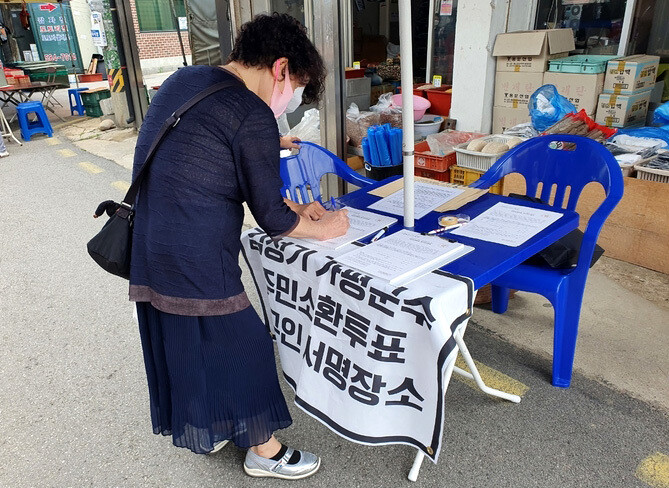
{"x":39,"y":31}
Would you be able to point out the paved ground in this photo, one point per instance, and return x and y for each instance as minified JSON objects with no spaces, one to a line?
{"x":74,"y":409}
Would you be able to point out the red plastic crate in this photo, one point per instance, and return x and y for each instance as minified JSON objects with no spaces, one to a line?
{"x":440,"y":98}
{"x":418,"y":93}
{"x":434,"y":175}
{"x":423,"y":160}
{"x":354,"y":73}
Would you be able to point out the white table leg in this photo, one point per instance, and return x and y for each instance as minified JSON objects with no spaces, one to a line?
{"x":413,"y":473}
{"x":418,"y":460}
{"x":474,"y":375}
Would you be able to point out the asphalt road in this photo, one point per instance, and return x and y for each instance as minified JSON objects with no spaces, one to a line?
{"x":74,"y":403}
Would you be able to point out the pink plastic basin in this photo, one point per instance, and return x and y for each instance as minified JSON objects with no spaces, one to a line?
{"x":420,"y":105}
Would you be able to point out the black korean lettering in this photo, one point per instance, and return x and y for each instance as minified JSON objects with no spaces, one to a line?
{"x":286,"y":286}
{"x":378,"y":298}
{"x":328,"y":314}
{"x":336,"y":368}
{"x":270,"y":284}
{"x":332,"y":267}
{"x":300,"y":251}
{"x":405,"y":400}
{"x":356,"y":327}
{"x":366,"y":392}
{"x":307,"y":307}
{"x":317,"y":354}
{"x":420,"y":309}
{"x":387,"y":346}
{"x":290,"y":334}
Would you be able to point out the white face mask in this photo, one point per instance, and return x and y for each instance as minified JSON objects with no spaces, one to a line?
{"x":295,"y":101}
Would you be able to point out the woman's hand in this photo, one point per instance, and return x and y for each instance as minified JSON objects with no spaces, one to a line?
{"x":312,"y":211}
{"x":289,"y":142}
{"x":333,"y":224}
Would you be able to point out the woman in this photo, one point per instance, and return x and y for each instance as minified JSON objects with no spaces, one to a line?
{"x":209,"y":359}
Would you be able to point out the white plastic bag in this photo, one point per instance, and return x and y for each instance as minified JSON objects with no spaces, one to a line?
{"x":309,"y":128}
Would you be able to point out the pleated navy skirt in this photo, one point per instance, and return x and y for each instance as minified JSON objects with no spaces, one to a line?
{"x":211,"y":378}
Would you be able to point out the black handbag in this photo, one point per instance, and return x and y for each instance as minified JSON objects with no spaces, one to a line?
{"x":111,"y":247}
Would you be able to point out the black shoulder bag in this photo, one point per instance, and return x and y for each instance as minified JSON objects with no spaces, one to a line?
{"x":111,"y":247}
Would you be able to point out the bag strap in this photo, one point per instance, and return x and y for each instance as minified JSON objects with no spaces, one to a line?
{"x":172,"y":121}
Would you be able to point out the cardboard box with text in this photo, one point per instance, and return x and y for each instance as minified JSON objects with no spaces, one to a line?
{"x":529,"y":51}
{"x":579,"y":88}
{"x":513,"y":90}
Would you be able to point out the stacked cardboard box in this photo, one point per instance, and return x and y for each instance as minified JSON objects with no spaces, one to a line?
{"x":628,"y":84}
{"x":522,"y":60}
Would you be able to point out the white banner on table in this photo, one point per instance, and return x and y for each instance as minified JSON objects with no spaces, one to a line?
{"x":365,"y":358}
{"x":511,"y":225}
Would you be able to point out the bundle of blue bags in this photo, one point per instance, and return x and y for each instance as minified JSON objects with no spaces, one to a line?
{"x":383,"y":145}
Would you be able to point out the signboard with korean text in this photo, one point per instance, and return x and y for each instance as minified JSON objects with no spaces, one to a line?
{"x":365,"y":358}
{"x":55,"y":35}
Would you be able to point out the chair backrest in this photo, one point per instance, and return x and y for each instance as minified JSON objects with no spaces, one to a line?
{"x":302,"y":172}
{"x":565,"y":164}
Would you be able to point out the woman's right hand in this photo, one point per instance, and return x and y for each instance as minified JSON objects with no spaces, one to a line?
{"x":333,"y":224}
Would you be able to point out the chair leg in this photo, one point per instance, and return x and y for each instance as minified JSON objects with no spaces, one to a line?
{"x":500,"y":298}
{"x":567,"y":310}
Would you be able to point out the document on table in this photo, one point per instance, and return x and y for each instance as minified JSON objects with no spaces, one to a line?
{"x":403,"y":256}
{"x":426,"y":197}
{"x":507,"y":224}
{"x":363,"y":223}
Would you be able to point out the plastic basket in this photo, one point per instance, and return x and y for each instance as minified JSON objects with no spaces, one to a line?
{"x":651,"y":174}
{"x":466,"y":176}
{"x":478,"y":160}
{"x":89,"y":97}
{"x":424,"y":160}
{"x":581,"y":63}
{"x":440,"y":98}
{"x":433,"y":175}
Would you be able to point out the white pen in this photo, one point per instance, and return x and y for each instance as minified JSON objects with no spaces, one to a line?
{"x":379,"y":234}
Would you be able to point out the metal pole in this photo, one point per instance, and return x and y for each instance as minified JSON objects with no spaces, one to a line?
{"x":407,"y":110}
{"x":430,"y":42}
{"x":176,"y":21}
{"x":69,"y":45}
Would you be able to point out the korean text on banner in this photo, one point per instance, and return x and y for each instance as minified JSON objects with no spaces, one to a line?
{"x":365,"y":358}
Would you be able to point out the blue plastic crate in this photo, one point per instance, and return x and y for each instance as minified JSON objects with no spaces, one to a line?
{"x":581,"y":63}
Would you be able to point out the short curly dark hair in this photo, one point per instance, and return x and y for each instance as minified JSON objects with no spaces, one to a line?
{"x":267,"y":38}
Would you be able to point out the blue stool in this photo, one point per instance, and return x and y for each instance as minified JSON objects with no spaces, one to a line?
{"x":73,"y":94}
{"x":29,"y":128}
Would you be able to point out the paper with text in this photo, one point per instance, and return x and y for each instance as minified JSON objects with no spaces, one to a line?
{"x":426,"y":197}
{"x":507,"y":224}
{"x":403,"y":256}
{"x":363,"y":223}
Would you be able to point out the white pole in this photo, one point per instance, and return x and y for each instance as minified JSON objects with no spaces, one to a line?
{"x":430,"y":39}
{"x":627,"y":27}
{"x":407,"y":110}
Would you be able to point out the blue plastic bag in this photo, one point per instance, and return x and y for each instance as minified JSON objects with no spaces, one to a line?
{"x":661,"y":115}
{"x":649,"y":132}
{"x":548,"y":107}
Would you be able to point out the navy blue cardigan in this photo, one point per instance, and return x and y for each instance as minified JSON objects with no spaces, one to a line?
{"x":189,"y":213}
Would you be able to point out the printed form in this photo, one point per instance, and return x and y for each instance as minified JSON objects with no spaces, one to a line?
{"x":426,"y":198}
{"x":507,"y":224}
{"x":403,"y":256}
{"x":362,"y":224}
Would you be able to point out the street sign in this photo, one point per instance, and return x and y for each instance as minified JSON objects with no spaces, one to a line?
{"x":48,"y":6}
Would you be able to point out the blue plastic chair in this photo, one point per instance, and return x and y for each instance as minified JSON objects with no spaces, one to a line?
{"x":40,"y":125}
{"x":75,"y":101}
{"x":303,"y":171}
{"x":548,"y":160}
